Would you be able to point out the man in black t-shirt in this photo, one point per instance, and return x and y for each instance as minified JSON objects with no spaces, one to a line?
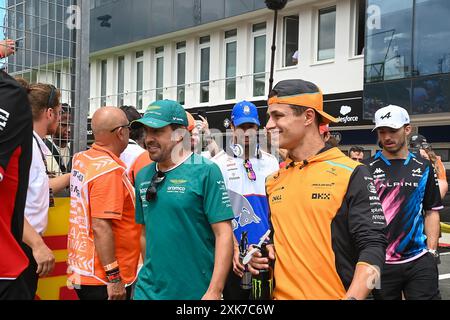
{"x":407,"y":187}
{"x":16,"y":132}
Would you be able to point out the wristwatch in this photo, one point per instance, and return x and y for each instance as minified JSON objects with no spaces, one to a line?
{"x":434,"y":253}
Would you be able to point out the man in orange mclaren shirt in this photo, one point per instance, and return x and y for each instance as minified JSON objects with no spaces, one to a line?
{"x":327,"y":221}
{"x":104,"y":239}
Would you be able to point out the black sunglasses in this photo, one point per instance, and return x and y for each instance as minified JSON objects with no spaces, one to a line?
{"x":157,"y":178}
{"x":51,"y":96}
{"x":123,"y":126}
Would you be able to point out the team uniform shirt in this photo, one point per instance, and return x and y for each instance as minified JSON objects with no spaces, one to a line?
{"x":326,"y":219}
{"x":36,"y":209}
{"x":16,"y":135}
{"x":406,"y":188}
{"x":141,"y":161}
{"x":248,"y":198}
{"x":180,"y":242}
{"x":100,"y":189}
{"x":131,"y":153}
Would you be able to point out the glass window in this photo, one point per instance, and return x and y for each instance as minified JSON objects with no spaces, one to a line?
{"x":159,"y":77}
{"x":259,"y":62}
{"x":431,"y":37}
{"x":204,"y":74}
{"x":204,"y":40}
{"x":379,"y":95}
{"x":230,"y":70}
{"x":139,"y":83}
{"x":104,"y":70}
{"x":290,"y":40}
{"x":431,"y":95}
{"x":327,"y":33}
{"x":360,"y":26}
{"x":388,"y":40}
{"x":181,"y":76}
{"x":120,"y":79}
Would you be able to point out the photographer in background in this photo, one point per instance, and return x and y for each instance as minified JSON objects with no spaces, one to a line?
{"x":418,"y":143}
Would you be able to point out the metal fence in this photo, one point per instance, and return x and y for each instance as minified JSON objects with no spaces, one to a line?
{"x":52,"y":46}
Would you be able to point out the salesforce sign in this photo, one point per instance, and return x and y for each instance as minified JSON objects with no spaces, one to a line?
{"x":347,"y":108}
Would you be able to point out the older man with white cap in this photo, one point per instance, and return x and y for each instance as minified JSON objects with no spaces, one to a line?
{"x":407,"y":187}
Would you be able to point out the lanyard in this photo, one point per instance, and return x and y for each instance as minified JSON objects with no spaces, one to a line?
{"x":51,"y":197}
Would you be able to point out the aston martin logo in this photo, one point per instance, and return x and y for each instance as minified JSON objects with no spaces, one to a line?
{"x":178,"y":181}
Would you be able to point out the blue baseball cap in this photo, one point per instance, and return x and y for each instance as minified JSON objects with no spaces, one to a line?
{"x":244,"y":112}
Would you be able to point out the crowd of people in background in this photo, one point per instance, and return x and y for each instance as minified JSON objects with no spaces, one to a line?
{"x":160,"y":211}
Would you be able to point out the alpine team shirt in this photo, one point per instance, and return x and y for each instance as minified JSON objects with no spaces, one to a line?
{"x":16,"y":137}
{"x":248,"y":197}
{"x":406,"y":188}
{"x":180,"y":242}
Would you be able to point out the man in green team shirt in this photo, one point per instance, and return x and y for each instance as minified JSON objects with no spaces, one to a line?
{"x":182,"y":201}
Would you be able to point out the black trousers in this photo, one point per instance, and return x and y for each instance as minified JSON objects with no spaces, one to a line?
{"x":418,"y":280}
{"x":97,"y":292}
{"x":15,"y":289}
{"x":233,"y":290}
{"x":30,"y":276}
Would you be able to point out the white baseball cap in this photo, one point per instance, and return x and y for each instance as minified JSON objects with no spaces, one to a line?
{"x":391,"y":116}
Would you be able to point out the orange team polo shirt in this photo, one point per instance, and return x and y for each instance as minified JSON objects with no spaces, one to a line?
{"x":142,"y":161}
{"x":442,"y":173}
{"x":110,"y":199}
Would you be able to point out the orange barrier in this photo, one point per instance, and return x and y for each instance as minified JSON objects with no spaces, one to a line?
{"x":54,"y":286}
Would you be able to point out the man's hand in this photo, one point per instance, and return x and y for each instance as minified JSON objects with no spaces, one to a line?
{"x":238,"y":267}
{"x":258,"y":263}
{"x":116,"y":291}
{"x":210,"y":295}
{"x":205,"y":125}
{"x":7,"y":48}
{"x":44,"y":258}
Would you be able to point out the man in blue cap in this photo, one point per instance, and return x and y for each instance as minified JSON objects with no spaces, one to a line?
{"x":245,"y":169}
{"x":182,"y":202}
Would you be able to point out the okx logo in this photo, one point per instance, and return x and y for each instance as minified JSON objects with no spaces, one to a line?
{"x":321,"y":196}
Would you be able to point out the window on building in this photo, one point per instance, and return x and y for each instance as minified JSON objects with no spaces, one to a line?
{"x":388,"y":40}
{"x":58,"y":79}
{"x":360,"y":26}
{"x":259,"y":59}
{"x":120,"y":79}
{"x":326,"y":34}
{"x":204,"y":68}
{"x":159,"y":56}
{"x":139,"y":79}
{"x":230,"y":64}
{"x":291,"y":53}
{"x":181,"y":71}
{"x":103,"y":82}
{"x":431,"y":37}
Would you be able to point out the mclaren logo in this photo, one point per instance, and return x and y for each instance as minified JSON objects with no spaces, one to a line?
{"x":321,"y":196}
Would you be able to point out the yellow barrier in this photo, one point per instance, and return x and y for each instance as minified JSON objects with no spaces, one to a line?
{"x":54,"y":286}
{"x":445,"y":228}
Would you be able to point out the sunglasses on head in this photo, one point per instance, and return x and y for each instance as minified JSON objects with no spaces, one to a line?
{"x":249,"y":168}
{"x":51,"y":96}
{"x":157,"y":178}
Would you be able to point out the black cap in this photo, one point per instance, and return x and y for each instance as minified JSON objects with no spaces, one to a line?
{"x":418,"y":141}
